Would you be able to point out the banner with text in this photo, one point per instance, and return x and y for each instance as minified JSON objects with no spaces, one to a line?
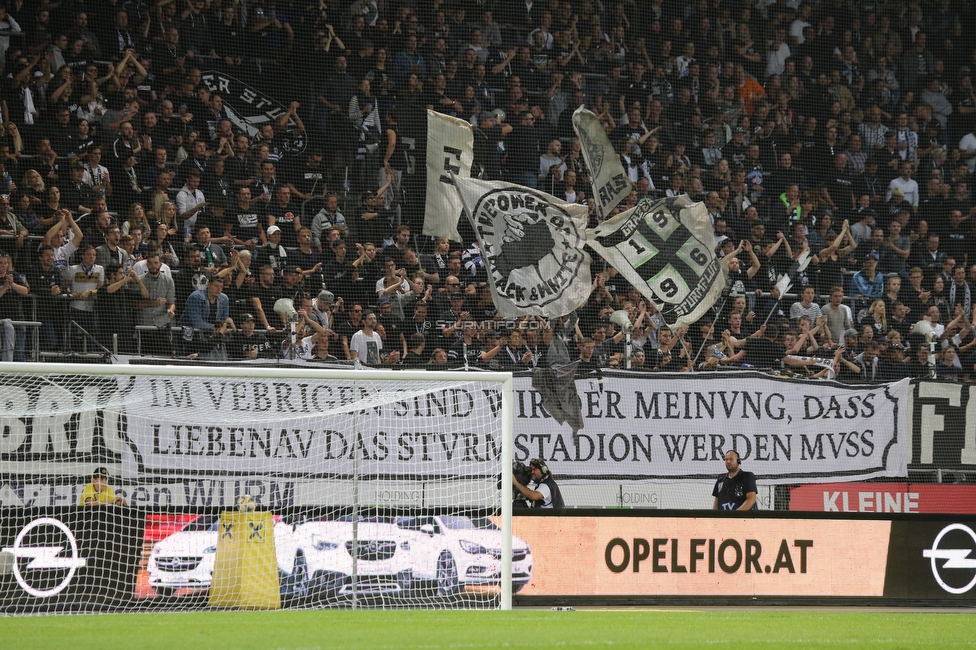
{"x":679,"y":427}
{"x":595,"y":558}
{"x":885,"y":497}
{"x":635,"y":428}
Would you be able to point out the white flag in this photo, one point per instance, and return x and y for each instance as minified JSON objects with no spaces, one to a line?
{"x":666,"y":250}
{"x":607,"y":176}
{"x":450,"y":149}
{"x":533,"y":247}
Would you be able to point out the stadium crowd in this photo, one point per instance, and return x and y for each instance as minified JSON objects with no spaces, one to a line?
{"x":138,"y":194}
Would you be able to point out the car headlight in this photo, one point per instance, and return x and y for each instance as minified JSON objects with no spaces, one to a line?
{"x":405,"y":546}
{"x":472,"y":548}
{"x":324,"y":545}
{"x":210,"y":549}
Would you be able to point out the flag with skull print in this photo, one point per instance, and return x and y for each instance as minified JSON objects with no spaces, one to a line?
{"x":532,"y":244}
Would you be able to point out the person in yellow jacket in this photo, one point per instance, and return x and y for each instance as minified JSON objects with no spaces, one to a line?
{"x":98,"y":493}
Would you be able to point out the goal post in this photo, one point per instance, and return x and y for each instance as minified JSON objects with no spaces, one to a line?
{"x":384,"y":484}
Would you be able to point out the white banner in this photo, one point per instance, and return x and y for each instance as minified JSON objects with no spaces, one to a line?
{"x":636,"y":427}
{"x":678,"y":427}
{"x":533,"y":245}
{"x":666,"y":250}
{"x":450,"y":149}
{"x":607,"y":177}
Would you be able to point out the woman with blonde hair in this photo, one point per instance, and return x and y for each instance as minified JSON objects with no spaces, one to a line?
{"x":11,"y":136}
{"x":876,"y":317}
{"x":167,"y":215}
{"x":160,"y":205}
{"x":137,"y":217}
{"x":32,"y":184}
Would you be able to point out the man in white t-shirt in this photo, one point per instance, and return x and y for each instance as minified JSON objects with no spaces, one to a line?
{"x":142,"y":267}
{"x":802,"y":21}
{"x":96,"y":174}
{"x":907,"y":184}
{"x":366,"y":344}
{"x":190,"y":199}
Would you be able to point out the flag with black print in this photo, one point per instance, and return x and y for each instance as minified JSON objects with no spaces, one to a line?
{"x":607,"y":176}
{"x":532,"y":245}
{"x":450,"y":152}
{"x":666,"y":250}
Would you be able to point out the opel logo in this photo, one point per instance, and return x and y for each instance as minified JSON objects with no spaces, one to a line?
{"x":45,"y":558}
{"x":955,"y":558}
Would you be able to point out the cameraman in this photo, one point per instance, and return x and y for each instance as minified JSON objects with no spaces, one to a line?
{"x":542,"y":491}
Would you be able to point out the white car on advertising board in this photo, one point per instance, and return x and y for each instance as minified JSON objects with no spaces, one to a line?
{"x":383,"y":566}
{"x":185,"y":560}
{"x":456,"y":551}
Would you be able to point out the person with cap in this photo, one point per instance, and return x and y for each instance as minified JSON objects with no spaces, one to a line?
{"x":291,"y":283}
{"x":322,"y":307}
{"x":98,"y":493}
{"x":541,"y":491}
{"x":374,"y":221}
{"x":489,"y":149}
{"x":735,"y":489}
{"x":868,"y":283}
{"x":272,"y":253}
{"x":450,"y":320}
{"x":736,"y":151}
{"x":247,"y":343}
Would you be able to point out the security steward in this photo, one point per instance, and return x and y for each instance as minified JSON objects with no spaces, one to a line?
{"x":98,"y":493}
{"x":542,"y":491}
{"x":735,"y":490}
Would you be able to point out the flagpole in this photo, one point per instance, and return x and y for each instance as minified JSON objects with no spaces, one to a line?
{"x":770,"y":314}
{"x":711,"y":329}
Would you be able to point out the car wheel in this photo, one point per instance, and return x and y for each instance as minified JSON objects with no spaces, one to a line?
{"x":405,"y":581}
{"x":295,"y":585}
{"x":447,"y":576}
{"x":164,"y":592}
{"x":324,"y":586}
{"x":518,"y":586}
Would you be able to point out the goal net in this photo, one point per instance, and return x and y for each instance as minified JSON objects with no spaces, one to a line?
{"x":181,"y":487}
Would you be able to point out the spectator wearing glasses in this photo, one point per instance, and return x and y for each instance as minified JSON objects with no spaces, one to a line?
{"x":452,"y":284}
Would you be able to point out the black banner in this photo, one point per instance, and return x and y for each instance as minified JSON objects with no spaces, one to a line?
{"x":932,"y":560}
{"x":943,"y":426}
{"x":69,"y":559}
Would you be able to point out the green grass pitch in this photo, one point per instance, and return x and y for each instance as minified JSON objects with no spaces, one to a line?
{"x":400,"y":630}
